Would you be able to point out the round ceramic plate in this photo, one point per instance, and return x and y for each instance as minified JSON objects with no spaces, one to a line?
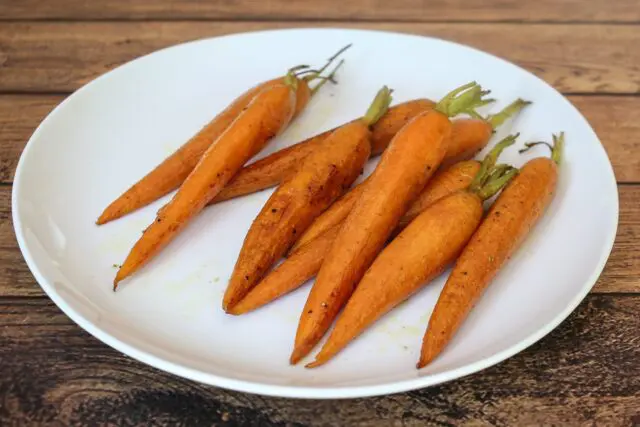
{"x":112,"y":131}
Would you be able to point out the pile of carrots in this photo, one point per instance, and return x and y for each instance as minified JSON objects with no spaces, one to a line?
{"x":370,"y":246}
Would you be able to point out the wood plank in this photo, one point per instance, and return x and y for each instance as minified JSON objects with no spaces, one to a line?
{"x":613,"y":118}
{"x":580,"y":374}
{"x":363,"y":10}
{"x":54,"y":57}
{"x":621,"y":275}
{"x":19,"y":117}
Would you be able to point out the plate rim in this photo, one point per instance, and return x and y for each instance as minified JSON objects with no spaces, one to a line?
{"x":293,"y":391}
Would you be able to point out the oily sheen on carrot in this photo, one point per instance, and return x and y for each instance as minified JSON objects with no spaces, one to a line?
{"x":509,"y":221}
{"x":304,"y":263}
{"x":275,"y":168}
{"x":406,"y":166}
{"x":266,"y":115}
{"x":323,"y":176}
{"x":468,"y":137}
{"x":418,"y":254}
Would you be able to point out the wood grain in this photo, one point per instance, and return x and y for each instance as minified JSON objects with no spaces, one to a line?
{"x":613,"y":118}
{"x":363,"y":10}
{"x":581,"y":374}
{"x":55,"y":57}
{"x":621,"y":275}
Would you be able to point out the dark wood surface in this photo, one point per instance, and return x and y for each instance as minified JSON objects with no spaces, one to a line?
{"x":586,"y":372}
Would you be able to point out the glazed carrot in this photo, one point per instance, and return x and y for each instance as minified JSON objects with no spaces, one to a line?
{"x":322,"y":177}
{"x":507,"y":224}
{"x":172,"y":172}
{"x":448,"y":181}
{"x":416,"y":256}
{"x":304,"y":263}
{"x":266,"y":116}
{"x":468,"y":136}
{"x":406,"y":165}
{"x":273,"y":169}
{"x":332,"y":217}
{"x":298,"y":268}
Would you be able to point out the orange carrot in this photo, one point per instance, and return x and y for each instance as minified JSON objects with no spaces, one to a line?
{"x":509,"y":221}
{"x":448,"y":181}
{"x":332,"y":217}
{"x":298,"y":268}
{"x":322,"y":177}
{"x":468,"y":136}
{"x":304,"y":263}
{"x":265,"y":117}
{"x":406,"y":166}
{"x":172,"y":172}
{"x":416,"y":256}
{"x":276,"y":167}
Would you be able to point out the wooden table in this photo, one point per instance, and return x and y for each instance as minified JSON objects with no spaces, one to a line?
{"x":587,"y":371}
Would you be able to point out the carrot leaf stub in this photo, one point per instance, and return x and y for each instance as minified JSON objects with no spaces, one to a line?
{"x":464,"y":100}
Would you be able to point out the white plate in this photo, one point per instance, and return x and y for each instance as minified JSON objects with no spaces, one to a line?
{"x":112,"y":131}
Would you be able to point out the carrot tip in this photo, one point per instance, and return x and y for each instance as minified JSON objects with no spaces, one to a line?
{"x":314,"y":364}
{"x":296,"y":355}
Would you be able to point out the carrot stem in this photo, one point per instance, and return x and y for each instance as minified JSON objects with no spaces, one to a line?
{"x":496,"y":120}
{"x":489,"y":162}
{"x":498,"y":171}
{"x":297,"y":68}
{"x":291,"y":80}
{"x":497,"y":181}
{"x":330,"y":77}
{"x":331,"y":59}
{"x":379,"y":106}
{"x":556,"y":148}
{"x":464,"y":99}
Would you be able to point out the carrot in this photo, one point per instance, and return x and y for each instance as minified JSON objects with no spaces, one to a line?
{"x":468,"y":136}
{"x":332,"y":217}
{"x":298,"y":268}
{"x":266,"y":116}
{"x":406,"y":165}
{"x":322,"y":177}
{"x":276,"y":167}
{"x":507,"y":224}
{"x":304,"y":263}
{"x":172,"y":172}
{"x":448,"y":181}
{"x":418,"y":255}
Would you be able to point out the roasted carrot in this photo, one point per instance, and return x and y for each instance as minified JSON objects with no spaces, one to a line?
{"x":448,"y":181}
{"x":275,"y":168}
{"x":304,"y":263}
{"x":265,"y":117}
{"x":297,"y":269}
{"x":468,"y":136}
{"x":406,"y":166}
{"x":172,"y":172}
{"x":507,"y":224}
{"x":332,"y":217}
{"x":417,"y":255}
{"x":323,"y":176}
